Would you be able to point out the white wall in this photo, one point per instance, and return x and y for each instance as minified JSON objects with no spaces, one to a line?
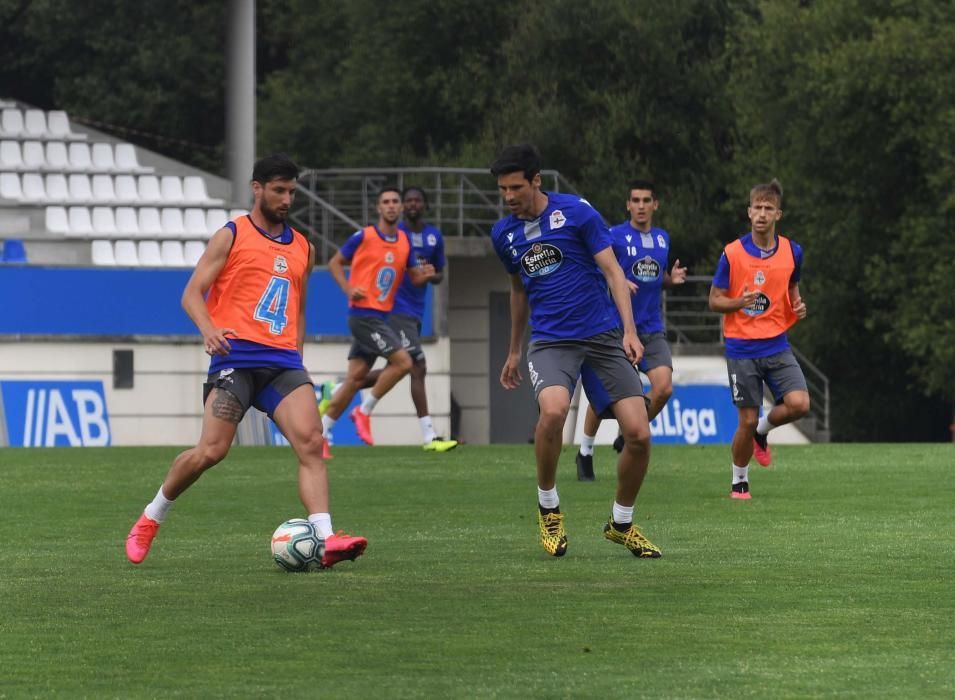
{"x":164,"y":406}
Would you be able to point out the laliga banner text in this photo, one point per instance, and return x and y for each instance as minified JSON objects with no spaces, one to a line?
{"x":53,"y":414}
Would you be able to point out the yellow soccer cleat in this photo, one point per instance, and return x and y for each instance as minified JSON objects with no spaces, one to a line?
{"x":327,"y":389}
{"x":553,"y":537}
{"x":439,"y":445}
{"x":633,"y":540}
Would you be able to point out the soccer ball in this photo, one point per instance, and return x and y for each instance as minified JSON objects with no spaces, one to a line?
{"x":296,"y":546}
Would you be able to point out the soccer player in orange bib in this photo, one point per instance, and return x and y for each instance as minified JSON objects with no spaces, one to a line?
{"x":255,"y":271}
{"x":380,"y":256}
{"x":756,"y":287}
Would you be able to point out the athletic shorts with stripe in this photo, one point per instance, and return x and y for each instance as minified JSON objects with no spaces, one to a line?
{"x":780,"y":372}
{"x":262,"y":387}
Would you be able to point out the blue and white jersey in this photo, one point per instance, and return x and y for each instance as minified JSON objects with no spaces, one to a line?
{"x":644,"y":258}
{"x":426,"y":247}
{"x":554,"y":255}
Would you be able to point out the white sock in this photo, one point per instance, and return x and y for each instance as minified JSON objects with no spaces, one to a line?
{"x":549,"y":498}
{"x":427,"y":429}
{"x":159,"y":507}
{"x":622,"y":514}
{"x":327,"y":424}
{"x":587,"y":445}
{"x":368,"y":405}
{"x":764,"y":426}
{"x":740,"y":474}
{"x":322,"y":523}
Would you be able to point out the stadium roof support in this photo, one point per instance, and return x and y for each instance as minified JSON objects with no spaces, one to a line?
{"x":240,"y":98}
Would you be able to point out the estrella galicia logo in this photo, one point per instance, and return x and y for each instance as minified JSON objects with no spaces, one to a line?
{"x":760,"y":307}
{"x":646,"y":269}
{"x":541,"y":259}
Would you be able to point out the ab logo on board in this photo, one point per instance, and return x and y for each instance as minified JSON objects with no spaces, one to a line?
{"x":53,"y":414}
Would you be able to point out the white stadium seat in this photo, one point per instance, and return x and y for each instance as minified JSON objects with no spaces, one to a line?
{"x":57,"y":189}
{"x":80,"y":223}
{"x":194,"y":191}
{"x":10,"y":156}
{"x":192,"y":251}
{"x":11,"y":123}
{"x":172,"y":254}
{"x":102,"y":253}
{"x":104,"y":222}
{"x":126,"y":190}
{"x":149,"y":222}
{"x":194,"y":221}
{"x":149,"y":189}
{"x":171,"y":222}
{"x":58,"y":124}
{"x":57,"y":157}
{"x":57,"y":220}
{"x":80,"y":188}
{"x":126,"y":159}
{"x":102,"y":156}
{"x":34,"y":124}
{"x":215,"y":219}
{"x":127,"y":221}
{"x":236,"y":213}
{"x":148,"y":253}
{"x":80,"y":158}
{"x":35,"y":191}
{"x":170,"y":188}
{"x":34,"y":157}
{"x":103,"y":191}
{"x":10,"y":187}
{"x":125,"y":252}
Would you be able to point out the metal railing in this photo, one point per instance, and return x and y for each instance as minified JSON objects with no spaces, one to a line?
{"x":332,"y":204}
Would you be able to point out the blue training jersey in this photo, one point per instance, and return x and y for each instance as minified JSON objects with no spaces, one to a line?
{"x":426,"y":247}
{"x":741,"y":348}
{"x":644,"y":258}
{"x":554,"y":256}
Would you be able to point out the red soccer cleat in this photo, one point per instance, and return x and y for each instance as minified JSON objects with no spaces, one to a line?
{"x":761,"y":450}
{"x":140,"y":538}
{"x":740,"y":491}
{"x":362,"y":425}
{"x":326,"y":452}
{"x":342,"y":547}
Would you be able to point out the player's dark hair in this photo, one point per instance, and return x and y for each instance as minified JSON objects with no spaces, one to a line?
{"x":772,"y":190}
{"x":384,"y":190}
{"x":277,"y":166}
{"x":642,"y":185}
{"x":515,"y":159}
{"x":414,"y":188}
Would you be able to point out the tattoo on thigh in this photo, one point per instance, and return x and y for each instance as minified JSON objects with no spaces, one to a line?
{"x":226,"y":406}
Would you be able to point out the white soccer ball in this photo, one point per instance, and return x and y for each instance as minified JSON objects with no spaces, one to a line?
{"x":297,"y":546}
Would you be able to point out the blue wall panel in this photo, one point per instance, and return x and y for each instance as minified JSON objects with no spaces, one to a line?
{"x":97,"y":301}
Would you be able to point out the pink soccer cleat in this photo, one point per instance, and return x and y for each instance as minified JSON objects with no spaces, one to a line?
{"x":362,"y":425}
{"x":342,"y":547}
{"x":740,"y":491}
{"x":326,"y":452}
{"x":761,"y":450}
{"x":140,"y":538}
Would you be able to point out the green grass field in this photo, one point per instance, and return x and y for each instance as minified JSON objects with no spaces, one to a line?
{"x":837,"y":579}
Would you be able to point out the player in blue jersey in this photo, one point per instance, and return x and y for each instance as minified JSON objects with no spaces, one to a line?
{"x":643,"y":252}
{"x":558,"y":252}
{"x":427,"y":245}
{"x":756,"y":288}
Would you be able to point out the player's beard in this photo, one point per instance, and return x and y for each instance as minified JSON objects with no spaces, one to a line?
{"x":273,"y":216}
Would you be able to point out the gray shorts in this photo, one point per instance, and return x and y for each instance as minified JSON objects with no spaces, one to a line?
{"x":373,"y":338}
{"x":599,"y":361}
{"x":262,"y":387}
{"x":656,"y":352}
{"x":780,"y":372}
{"x":408,"y":329}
